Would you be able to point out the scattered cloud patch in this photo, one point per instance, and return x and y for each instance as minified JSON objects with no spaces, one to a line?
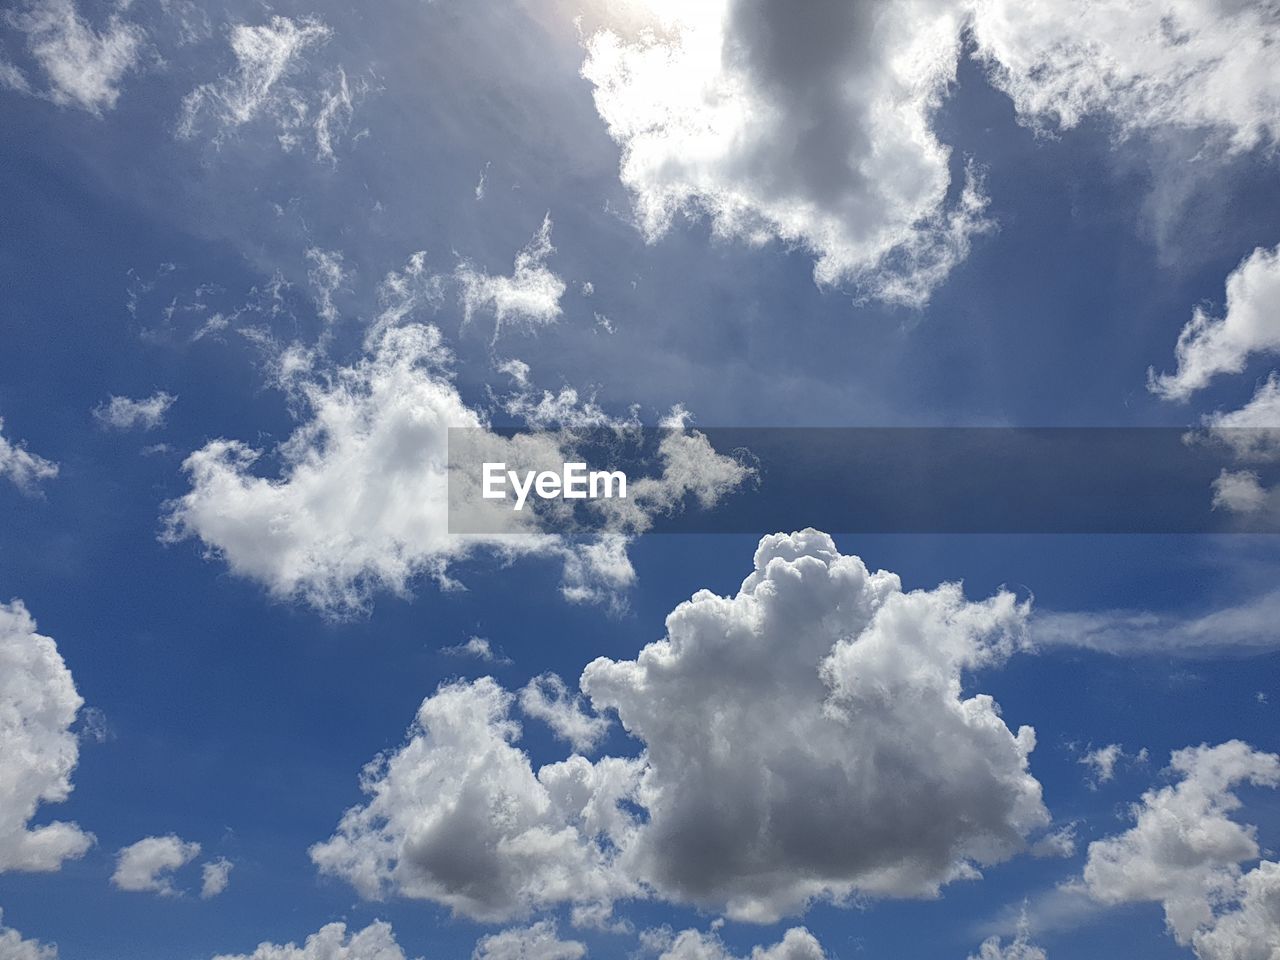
{"x":477,"y":647}
{"x":796,"y":944}
{"x":123,"y":413}
{"x":332,"y":942}
{"x":14,"y":947}
{"x":530,"y":296}
{"x":146,"y":866}
{"x":83,"y":65}
{"x":38,"y":748}
{"x":1162,"y":64}
{"x":1209,"y":345}
{"x":1102,"y":762}
{"x":214,"y":877}
{"x":273,"y":81}
{"x":536,"y":942}
{"x":1185,"y":852}
{"x":548,"y":699}
{"x":23,"y":468}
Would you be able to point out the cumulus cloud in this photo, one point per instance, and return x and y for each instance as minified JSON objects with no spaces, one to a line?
{"x":269,"y":58}
{"x":145,"y":866}
{"x":332,"y":942}
{"x":1252,"y":433}
{"x":458,"y":816}
{"x":531,"y":295}
{"x":1185,"y":852}
{"x":814,"y":130}
{"x":123,"y":413}
{"x":537,"y":942}
{"x":363,"y":497}
{"x":808,"y":737}
{"x":548,"y":699}
{"x":21,"y":466}
{"x":1209,"y":345}
{"x":214,"y":877}
{"x":38,"y":750}
{"x":83,"y":65}
{"x":796,"y":944}
{"x":1205,"y":67}
{"x":14,"y":947}
{"x":362,"y":500}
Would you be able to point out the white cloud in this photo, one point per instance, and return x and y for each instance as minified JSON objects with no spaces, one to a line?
{"x":805,"y":738}
{"x":1056,"y":843}
{"x":536,"y":942}
{"x":1239,"y":491}
{"x":546,"y":698}
{"x":1204,"y":67}
{"x":458,"y":816}
{"x":1210,"y":345}
{"x":14,"y":947}
{"x":327,"y":276}
{"x":1019,"y":948}
{"x":1244,"y":627}
{"x":796,"y":944}
{"x":813,"y":130}
{"x":269,"y":58}
{"x":362,"y":500}
{"x":145,"y":866}
{"x":822,"y":708}
{"x":84,"y":66}
{"x":123,"y":413}
{"x":1185,"y":852}
{"x":21,"y":466}
{"x":38,"y":750}
{"x":477,"y":647}
{"x":1102,"y":762}
{"x":1252,"y":432}
{"x":214,"y":877}
{"x":531,"y":295}
{"x":332,"y":942}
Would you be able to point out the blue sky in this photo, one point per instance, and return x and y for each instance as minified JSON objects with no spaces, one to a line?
{"x":212,"y":211}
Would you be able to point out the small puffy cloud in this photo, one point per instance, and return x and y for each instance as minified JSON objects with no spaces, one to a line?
{"x":796,"y":944}
{"x":537,"y":942}
{"x":1165,"y":63}
{"x":531,"y":295}
{"x":1239,"y":491}
{"x":815,"y":131}
{"x":477,"y":647}
{"x":14,"y":947}
{"x":332,"y":942}
{"x":1185,"y":852}
{"x":145,"y":866}
{"x":1057,"y":843}
{"x":83,"y":65}
{"x":822,"y":707}
{"x":269,"y":59}
{"x":214,"y":877}
{"x":1019,"y":948}
{"x":21,"y":466}
{"x":1102,"y":762}
{"x":38,"y":749}
{"x":459,"y":817}
{"x":1253,"y":432}
{"x":123,"y":413}
{"x":1210,"y":345}
{"x":548,"y":699}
